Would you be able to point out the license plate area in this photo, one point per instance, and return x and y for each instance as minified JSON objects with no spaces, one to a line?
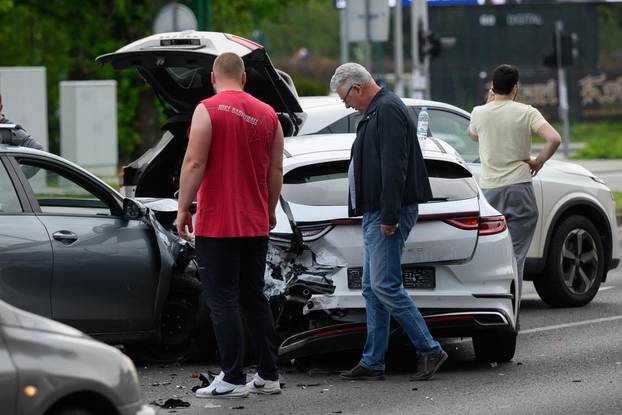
{"x":413,"y":277}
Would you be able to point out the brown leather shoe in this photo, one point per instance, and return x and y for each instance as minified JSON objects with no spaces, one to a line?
{"x":428,"y":364}
{"x":359,"y":372}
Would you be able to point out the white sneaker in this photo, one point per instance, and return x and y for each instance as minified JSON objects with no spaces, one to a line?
{"x":221,"y":389}
{"x":262,"y":386}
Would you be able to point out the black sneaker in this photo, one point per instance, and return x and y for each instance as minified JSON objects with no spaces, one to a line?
{"x":427,"y":365}
{"x":359,"y":372}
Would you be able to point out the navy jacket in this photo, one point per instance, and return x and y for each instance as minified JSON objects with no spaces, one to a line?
{"x":389,"y":169}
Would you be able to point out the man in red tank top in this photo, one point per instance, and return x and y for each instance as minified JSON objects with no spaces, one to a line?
{"x":234,"y":165}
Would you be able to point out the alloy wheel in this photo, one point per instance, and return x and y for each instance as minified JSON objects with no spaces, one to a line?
{"x":579,"y":261}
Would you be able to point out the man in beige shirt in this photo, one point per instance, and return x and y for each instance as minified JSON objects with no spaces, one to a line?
{"x":503,"y":128}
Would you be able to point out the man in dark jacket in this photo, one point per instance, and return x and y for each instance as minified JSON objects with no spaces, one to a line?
{"x":387,"y":179}
{"x":14,"y":134}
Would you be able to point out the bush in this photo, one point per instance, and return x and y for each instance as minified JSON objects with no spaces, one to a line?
{"x":309,"y":87}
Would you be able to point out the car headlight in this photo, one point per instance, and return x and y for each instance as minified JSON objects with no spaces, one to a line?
{"x":130,"y":367}
{"x":598,"y":180}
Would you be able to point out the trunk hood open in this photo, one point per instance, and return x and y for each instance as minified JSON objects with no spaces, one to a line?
{"x":178,"y":67}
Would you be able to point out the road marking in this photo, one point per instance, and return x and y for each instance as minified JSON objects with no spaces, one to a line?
{"x":575,"y":324}
{"x":535,"y":296}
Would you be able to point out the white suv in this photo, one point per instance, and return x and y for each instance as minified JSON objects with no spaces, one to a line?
{"x":576,"y":240}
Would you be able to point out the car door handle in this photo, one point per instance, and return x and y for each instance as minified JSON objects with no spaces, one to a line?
{"x":65,"y":237}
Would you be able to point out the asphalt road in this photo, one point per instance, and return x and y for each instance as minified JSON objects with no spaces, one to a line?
{"x":568,"y":361}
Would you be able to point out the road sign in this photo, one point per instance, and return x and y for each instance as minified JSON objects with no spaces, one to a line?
{"x":361,"y":20}
{"x":174,"y":17}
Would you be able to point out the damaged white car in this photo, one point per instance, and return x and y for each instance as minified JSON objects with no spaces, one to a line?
{"x":458,"y":262}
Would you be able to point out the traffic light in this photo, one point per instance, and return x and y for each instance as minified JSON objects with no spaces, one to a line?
{"x":569,"y":49}
{"x":429,"y":44}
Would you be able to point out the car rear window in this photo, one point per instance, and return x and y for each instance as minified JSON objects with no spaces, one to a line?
{"x":326,"y":184}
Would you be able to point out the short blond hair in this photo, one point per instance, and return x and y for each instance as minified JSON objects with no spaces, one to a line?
{"x":229,"y":65}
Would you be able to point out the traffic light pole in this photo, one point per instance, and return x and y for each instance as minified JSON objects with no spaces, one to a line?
{"x":562,"y":88}
{"x":398,"y":50}
{"x":421,"y":67}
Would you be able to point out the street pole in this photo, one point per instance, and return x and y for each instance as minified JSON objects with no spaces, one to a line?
{"x":420,"y":70}
{"x":398,"y":49}
{"x":562,"y":88}
{"x":368,"y":51}
{"x":343,"y":17}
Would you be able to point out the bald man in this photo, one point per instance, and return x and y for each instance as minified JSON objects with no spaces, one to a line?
{"x":234,"y":165}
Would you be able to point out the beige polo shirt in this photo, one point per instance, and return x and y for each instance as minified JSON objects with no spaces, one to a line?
{"x":504,"y":131}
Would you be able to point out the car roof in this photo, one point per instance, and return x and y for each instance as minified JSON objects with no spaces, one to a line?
{"x":323,"y":144}
{"x":318,"y":102}
{"x":322,"y":111}
{"x":17,"y":150}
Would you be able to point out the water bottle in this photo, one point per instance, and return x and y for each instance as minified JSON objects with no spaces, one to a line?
{"x":423,"y":121}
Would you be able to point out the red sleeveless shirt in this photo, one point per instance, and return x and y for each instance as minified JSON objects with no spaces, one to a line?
{"x":233,"y":195}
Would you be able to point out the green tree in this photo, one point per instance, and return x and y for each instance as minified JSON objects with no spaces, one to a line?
{"x":66,"y":36}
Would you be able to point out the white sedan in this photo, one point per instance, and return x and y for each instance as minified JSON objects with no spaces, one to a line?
{"x":575,"y":242}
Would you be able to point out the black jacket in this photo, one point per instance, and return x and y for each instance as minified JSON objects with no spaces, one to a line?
{"x":389,"y":170}
{"x":15,"y":135}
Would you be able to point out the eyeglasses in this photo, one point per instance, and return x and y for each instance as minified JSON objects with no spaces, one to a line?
{"x":347,"y":93}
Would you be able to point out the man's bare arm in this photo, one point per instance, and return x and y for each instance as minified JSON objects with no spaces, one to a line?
{"x":275,"y":173}
{"x":472,"y":135}
{"x":553,"y":139}
{"x":193,"y":167}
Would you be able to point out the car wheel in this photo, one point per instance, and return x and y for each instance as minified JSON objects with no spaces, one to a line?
{"x":575,"y":265}
{"x":185,"y":326}
{"x":494,"y":347}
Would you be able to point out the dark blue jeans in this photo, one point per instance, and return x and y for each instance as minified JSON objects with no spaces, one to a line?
{"x":384,"y":291}
{"x":232,"y":273}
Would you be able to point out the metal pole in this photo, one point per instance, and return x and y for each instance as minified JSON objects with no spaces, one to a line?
{"x":419,"y":74}
{"x":368,"y":51}
{"x":562,"y":89}
{"x":343,"y":17}
{"x":426,"y":60}
{"x":398,"y":49}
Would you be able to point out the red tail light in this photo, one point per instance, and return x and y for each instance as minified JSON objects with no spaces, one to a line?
{"x":485,"y":225}
{"x":490,"y":225}
{"x":468,"y":224}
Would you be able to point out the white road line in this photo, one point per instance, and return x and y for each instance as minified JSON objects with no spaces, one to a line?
{"x":535,"y":296}
{"x":575,"y":324}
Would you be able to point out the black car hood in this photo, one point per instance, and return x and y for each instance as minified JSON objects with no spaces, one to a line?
{"x":178,"y":67}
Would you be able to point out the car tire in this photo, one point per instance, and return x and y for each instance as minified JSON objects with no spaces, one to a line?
{"x":491,"y":348}
{"x":185,"y":325}
{"x":575,"y":265}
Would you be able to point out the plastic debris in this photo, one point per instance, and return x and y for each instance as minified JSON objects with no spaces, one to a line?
{"x":172,"y":403}
{"x":307,"y":385}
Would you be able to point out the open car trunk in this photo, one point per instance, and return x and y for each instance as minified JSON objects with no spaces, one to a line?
{"x":178,"y":67}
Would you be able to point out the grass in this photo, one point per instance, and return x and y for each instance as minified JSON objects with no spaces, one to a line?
{"x":618,"y":198}
{"x":603,"y":139}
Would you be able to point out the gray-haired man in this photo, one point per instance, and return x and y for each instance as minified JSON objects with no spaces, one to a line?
{"x":387,"y":178}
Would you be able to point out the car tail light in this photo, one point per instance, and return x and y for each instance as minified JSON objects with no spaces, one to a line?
{"x":490,"y":225}
{"x":312,"y":231}
{"x":467,"y":223}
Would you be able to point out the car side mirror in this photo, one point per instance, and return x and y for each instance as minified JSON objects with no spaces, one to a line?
{"x":133,"y":209}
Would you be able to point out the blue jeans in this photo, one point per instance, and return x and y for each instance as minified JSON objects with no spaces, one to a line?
{"x":384,"y":291}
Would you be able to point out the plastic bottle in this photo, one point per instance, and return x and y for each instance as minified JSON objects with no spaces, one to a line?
{"x":423,"y":121}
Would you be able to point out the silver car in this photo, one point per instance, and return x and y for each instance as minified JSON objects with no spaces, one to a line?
{"x":48,"y":368}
